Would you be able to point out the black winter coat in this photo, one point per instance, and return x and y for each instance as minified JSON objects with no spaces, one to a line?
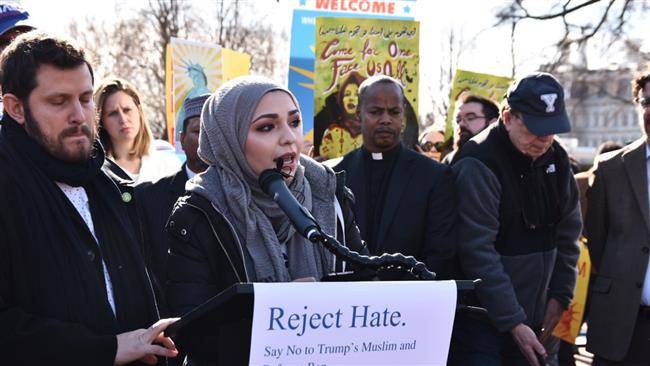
{"x":206,"y":257}
{"x":419,"y":213}
{"x":155,"y":202}
{"x":53,"y":302}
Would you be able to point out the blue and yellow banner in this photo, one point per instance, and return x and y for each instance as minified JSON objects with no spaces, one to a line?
{"x":196,"y":68}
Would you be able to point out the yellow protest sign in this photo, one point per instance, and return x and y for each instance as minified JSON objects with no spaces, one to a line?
{"x":349,"y":50}
{"x":569,"y":326}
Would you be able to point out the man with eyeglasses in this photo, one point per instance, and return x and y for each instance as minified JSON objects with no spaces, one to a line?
{"x":519,"y":222}
{"x":475,"y":113}
{"x":618,"y":233}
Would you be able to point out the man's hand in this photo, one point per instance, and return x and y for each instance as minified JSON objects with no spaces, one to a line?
{"x":138,"y":344}
{"x":528,"y":343}
{"x":553,"y":314}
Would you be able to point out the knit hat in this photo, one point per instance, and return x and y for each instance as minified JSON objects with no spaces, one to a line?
{"x":192,"y":107}
{"x":12,"y":16}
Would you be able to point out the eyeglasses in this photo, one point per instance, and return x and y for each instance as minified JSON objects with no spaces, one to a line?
{"x":469,"y":118}
{"x":643,"y":102}
{"x":427,"y":146}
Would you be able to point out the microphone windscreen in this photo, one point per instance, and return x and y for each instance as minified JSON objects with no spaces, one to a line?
{"x":267,"y":177}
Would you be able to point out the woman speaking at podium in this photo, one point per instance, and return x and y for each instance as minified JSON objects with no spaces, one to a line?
{"x":226,"y":229}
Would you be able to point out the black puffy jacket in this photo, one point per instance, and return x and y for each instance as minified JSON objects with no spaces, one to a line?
{"x":206,"y":257}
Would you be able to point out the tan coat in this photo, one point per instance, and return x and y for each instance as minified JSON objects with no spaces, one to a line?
{"x":618,"y":230}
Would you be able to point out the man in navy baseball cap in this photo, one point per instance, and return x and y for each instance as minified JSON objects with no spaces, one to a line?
{"x":539,"y":98}
{"x":533,"y":113}
{"x":518,"y":228}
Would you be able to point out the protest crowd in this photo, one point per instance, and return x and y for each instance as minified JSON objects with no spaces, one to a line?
{"x":107,"y":240}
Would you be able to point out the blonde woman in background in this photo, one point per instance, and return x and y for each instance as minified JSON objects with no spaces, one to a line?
{"x":126,"y":136}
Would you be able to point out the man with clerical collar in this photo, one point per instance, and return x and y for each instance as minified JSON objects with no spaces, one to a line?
{"x":404,"y":201}
{"x":519,"y":222}
{"x":74,"y":289}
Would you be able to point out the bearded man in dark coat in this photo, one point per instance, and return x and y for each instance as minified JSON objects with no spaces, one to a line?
{"x":73,"y":285}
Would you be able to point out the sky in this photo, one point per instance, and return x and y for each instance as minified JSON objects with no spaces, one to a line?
{"x":486,"y":48}
{"x":54,"y":16}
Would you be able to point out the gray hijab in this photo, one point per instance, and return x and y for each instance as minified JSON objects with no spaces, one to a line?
{"x":231,"y":186}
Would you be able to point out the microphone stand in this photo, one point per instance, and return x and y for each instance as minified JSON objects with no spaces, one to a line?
{"x":397,"y":261}
{"x":272,"y":182}
{"x":406,"y":266}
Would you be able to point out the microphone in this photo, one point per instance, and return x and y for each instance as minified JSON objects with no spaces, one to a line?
{"x":272,"y":183}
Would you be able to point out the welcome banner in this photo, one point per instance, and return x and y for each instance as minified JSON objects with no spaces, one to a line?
{"x":303,"y":40}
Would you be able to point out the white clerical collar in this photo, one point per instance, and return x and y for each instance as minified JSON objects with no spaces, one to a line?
{"x":189,"y":172}
{"x":377,"y":156}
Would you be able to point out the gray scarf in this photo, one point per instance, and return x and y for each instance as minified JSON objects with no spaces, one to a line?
{"x":232,"y":188}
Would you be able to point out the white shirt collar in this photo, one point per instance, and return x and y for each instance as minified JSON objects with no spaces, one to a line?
{"x":189,"y":172}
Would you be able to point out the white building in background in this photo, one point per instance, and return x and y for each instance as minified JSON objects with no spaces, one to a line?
{"x":599,"y":104}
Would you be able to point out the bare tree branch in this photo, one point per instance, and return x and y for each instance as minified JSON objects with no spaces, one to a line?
{"x":621,"y":17}
{"x":600,"y":24}
{"x":134,"y":47}
{"x":512,"y":48}
{"x":576,"y":35}
{"x":526,"y":15}
{"x":451,"y":50}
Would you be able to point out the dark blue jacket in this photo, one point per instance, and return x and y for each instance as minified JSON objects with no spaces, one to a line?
{"x":519,"y":222}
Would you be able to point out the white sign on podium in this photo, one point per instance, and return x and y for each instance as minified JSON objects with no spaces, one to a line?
{"x":352,"y":323}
